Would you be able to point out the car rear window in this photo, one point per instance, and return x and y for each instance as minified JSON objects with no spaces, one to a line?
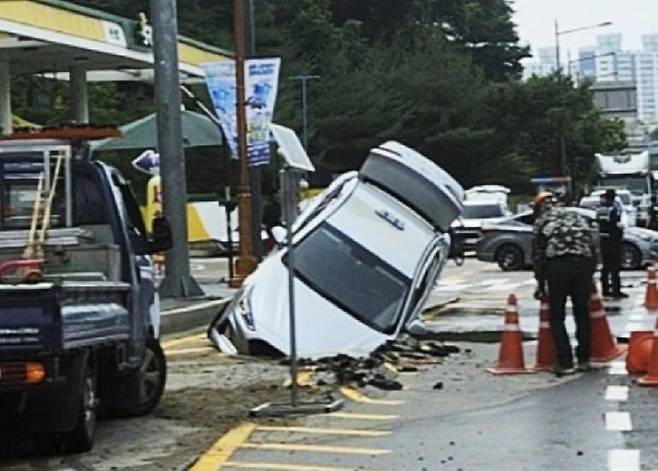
{"x":351,"y":277}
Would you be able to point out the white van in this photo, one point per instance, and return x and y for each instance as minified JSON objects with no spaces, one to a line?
{"x":367,"y":252}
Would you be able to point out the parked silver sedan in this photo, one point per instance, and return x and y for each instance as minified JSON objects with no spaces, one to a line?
{"x":509,"y":243}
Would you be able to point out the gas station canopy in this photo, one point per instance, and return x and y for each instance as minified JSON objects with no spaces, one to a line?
{"x":51,"y":37}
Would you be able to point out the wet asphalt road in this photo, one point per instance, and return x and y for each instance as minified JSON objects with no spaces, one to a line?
{"x":474,"y":421}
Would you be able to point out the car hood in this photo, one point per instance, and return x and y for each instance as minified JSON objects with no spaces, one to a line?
{"x":322,"y":328}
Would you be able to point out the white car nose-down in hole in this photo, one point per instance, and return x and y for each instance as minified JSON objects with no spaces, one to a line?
{"x":367,"y":252}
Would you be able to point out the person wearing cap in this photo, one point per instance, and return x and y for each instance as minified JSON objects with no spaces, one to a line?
{"x":609,"y":217}
{"x":564,"y":262}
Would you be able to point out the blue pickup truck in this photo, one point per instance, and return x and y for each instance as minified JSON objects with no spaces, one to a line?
{"x":79,"y":310}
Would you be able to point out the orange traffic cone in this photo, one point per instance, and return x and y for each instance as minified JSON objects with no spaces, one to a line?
{"x":546,"y":353}
{"x":510,"y":356}
{"x":651,"y":378}
{"x":651,"y":295}
{"x":639,"y":351}
{"x":604,"y":346}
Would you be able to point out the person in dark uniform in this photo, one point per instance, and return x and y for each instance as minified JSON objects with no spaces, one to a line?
{"x":564,"y":262}
{"x":609,"y":218}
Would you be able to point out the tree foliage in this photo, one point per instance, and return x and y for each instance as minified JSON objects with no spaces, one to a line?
{"x":439,"y":75}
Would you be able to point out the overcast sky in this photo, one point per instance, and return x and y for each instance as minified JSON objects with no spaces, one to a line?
{"x":632,"y":18}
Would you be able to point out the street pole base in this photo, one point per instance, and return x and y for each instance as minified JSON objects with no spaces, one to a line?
{"x":270,"y":409}
{"x":243,"y":267}
{"x":179,"y":287}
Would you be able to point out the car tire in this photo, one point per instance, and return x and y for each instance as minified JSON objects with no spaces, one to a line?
{"x":81,"y":438}
{"x":510,"y":257}
{"x":631,"y":257}
{"x":150,"y":380}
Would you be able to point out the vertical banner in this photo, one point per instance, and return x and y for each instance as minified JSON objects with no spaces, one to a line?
{"x":220,"y":80}
{"x":261,"y":86}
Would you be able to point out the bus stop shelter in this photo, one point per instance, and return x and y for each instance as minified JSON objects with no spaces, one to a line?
{"x":64,"y":41}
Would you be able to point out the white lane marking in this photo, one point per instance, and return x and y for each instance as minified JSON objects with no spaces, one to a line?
{"x":618,"y":421}
{"x":637,"y":316}
{"x":616,"y":393}
{"x":631,"y":326}
{"x":617,"y":368}
{"x":624,"y":460}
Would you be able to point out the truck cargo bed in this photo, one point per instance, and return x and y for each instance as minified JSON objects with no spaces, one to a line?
{"x":53,"y":318}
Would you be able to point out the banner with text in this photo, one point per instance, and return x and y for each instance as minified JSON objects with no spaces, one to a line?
{"x":261,"y":86}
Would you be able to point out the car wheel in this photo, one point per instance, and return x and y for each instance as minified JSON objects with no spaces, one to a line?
{"x":510,"y":257}
{"x":151,"y":378}
{"x":631,"y":257}
{"x":81,"y":438}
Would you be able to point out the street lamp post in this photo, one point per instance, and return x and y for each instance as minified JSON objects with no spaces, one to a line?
{"x":304,"y":79}
{"x":559,"y":33}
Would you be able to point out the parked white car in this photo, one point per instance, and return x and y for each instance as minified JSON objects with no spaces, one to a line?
{"x":476,"y":212}
{"x":367,"y":252}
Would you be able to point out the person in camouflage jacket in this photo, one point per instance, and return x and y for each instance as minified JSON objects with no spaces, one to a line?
{"x":565,"y":257}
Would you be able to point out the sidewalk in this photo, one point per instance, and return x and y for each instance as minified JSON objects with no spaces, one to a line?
{"x":181,"y":314}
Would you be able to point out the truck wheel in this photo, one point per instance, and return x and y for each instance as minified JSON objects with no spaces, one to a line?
{"x":151,"y":378}
{"x":81,"y":438}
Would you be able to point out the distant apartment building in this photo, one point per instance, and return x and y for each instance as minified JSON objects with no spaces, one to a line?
{"x":616,"y":69}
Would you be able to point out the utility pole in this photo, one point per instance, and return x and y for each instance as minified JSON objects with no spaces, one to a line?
{"x":246,"y":262}
{"x":304,"y":79}
{"x":178,"y":281}
{"x":255,"y":173}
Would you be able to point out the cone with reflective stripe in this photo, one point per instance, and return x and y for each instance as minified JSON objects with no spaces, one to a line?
{"x":546,"y":353}
{"x":651,"y":378}
{"x":604,"y":346}
{"x":639,"y":352}
{"x":651,"y":295}
{"x":510,"y":356}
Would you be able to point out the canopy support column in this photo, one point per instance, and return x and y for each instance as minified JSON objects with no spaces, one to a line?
{"x":79,"y":95}
{"x":5,"y":97}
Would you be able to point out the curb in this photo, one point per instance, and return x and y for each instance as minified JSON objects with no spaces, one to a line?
{"x":189,"y":317}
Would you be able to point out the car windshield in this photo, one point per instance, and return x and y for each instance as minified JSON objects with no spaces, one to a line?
{"x":637,"y":186}
{"x":351,"y":277}
{"x":482,"y":211}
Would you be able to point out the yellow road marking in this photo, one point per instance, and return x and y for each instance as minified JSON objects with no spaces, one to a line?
{"x":352,"y":415}
{"x":347,"y":450}
{"x":190,"y":350}
{"x":357,"y":396}
{"x":304,"y":378}
{"x":182,"y":341}
{"x":284,"y":466}
{"x":326,"y":431}
{"x":221,"y":451}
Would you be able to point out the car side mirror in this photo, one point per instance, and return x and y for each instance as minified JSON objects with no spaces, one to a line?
{"x":279,"y":234}
{"x":161,"y":237}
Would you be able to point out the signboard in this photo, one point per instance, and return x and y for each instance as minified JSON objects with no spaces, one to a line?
{"x":261,"y":85}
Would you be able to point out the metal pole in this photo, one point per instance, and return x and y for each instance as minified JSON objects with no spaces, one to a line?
{"x":79,"y":95}
{"x":304,"y":119}
{"x":246,"y":262}
{"x":557,"y":48}
{"x":288,"y":188}
{"x":5,"y":97}
{"x":304,"y":79}
{"x":228,"y":207}
{"x":177,"y":282}
{"x":255,"y":172}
